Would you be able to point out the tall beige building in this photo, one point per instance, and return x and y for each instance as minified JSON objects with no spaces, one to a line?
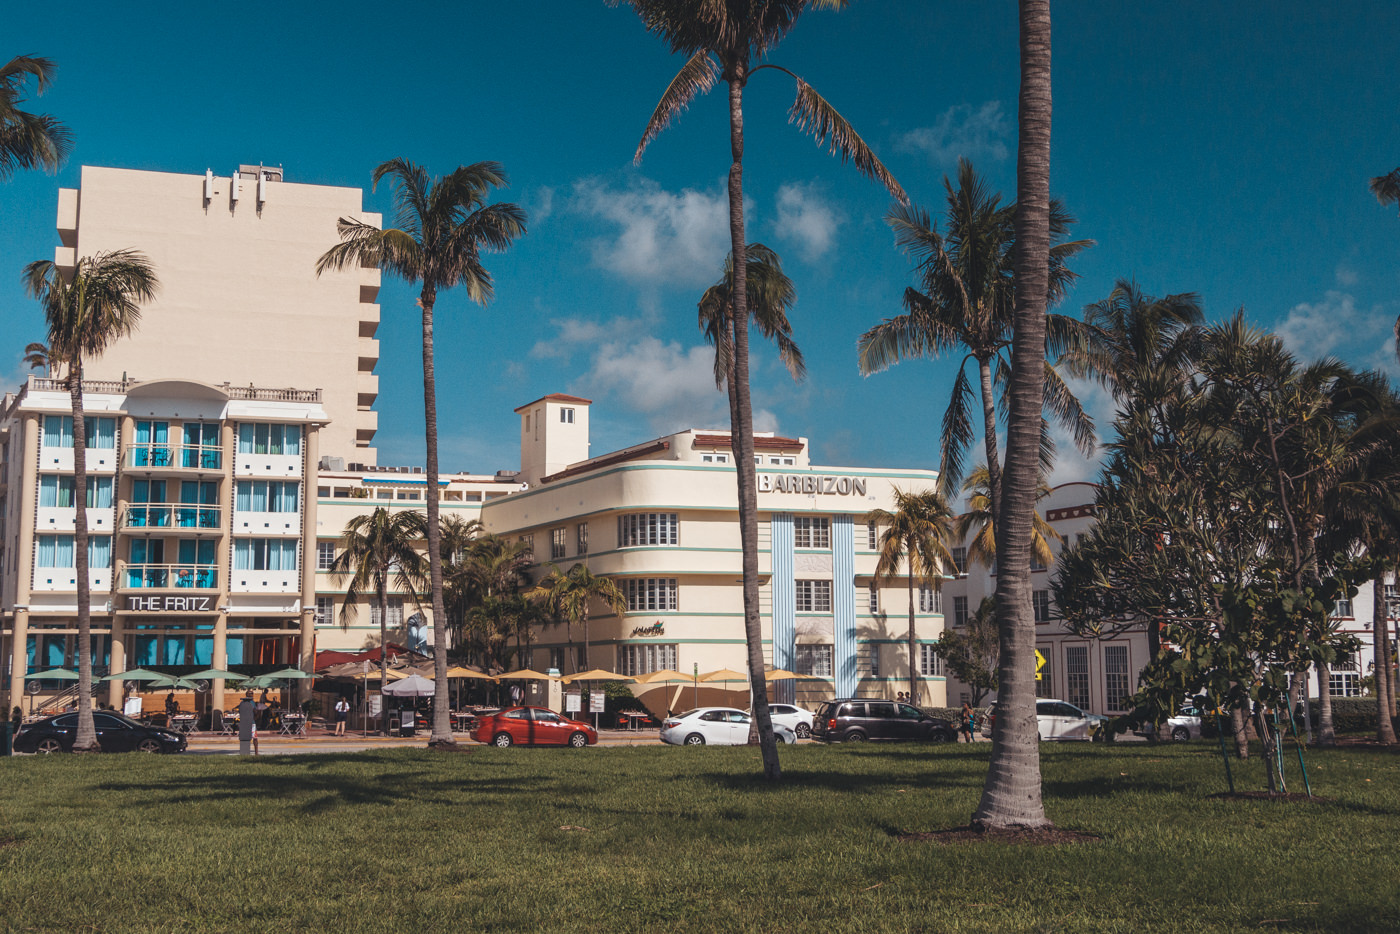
{"x":240,"y":302}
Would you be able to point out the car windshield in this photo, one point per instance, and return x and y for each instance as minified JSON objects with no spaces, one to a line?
{"x":682,"y":716}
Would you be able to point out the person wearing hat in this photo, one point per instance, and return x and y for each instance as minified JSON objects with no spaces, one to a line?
{"x":248,"y":721}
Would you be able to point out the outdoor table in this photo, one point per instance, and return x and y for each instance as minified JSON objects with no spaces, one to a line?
{"x":292,"y":725}
{"x":231,"y":723}
{"x":635,"y":718}
{"x":184,"y":723}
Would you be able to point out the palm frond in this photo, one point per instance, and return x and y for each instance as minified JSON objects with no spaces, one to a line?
{"x":1386,"y":187}
{"x":957,"y":434}
{"x":1065,"y":409}
{"x":812,"y":114}
{"x":696,"y":77}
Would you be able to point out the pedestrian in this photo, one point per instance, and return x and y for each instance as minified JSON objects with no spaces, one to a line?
{"x":171,"y":707}
{"x":515,"y":695}
{"x":968,"y":722}
{"x":16,"y":720}
{"x":342,"y":710}
{"x":248,"y":721}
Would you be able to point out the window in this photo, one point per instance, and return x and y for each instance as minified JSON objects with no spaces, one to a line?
{"x":529,"y":542}
{"x":1036,"y":563}
{"x":930,"y":663}
{"x":646,"y":594}
{"x":714,"y":458}
{"x":960,"y":611}
{"x":566,"y":416}
{"x":583,"y":538}
{"x":782,"y":461}
{"x":874,"y":598}
{"x":56,"y":551}
{"x":634,"y":660}
{"x":960,"y":560}
{"x":647,"y":528}
{"x":101,"y":432}
{"x":325,"y":611}
{"x":558,"y":542}
{"x":556,"y":659}
{"x":57,"y":491}
{"x":267,"y":496}
{"x":1344,"y":684}
{"x":325,"y":555}
{"x":872,"y":537}
{"x":814,"y":660}
{"x":1040,"y":599}
{"x":813,"y":596}
{"x":395,"y":613}
{"x":263,"y":438}
{"x":872,"y":660}
{"x":1043,"y":685}
{"x":1077,"y":675}
{"x":811,"y":532}
{"x":1115,"y":665}
{"x":265,"y":554}
{"x":1343,"y":608}
{"x":930,"y":600}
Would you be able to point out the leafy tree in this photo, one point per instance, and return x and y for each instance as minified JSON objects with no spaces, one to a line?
{"x":964,"y":305}
{"x":444,"y":226}
{"x":1011,"y":793}
{"x":27,"y":140}
{"x":723,"y":40}
{"x":480,"y":569}
{"x":377,"y":549}
{"x":87,"y":310}
{"x":977,"y":523}
{"x":569,"y":594}
{"x":916,"y":534}
{"x":972,"y":654}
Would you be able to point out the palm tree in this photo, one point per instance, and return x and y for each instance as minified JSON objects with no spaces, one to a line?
{"x":37,"y":357}
{"x":444,"y":224}
{"x":28,"y":140}
{"x":978,"y":524}
{"x":1011,"y":792}
{"x":917,"y":532}
{"x":569,"y":594}
{"x":771,"y":295}
{"x":377,"y":549}
{"x":88,"y":309}
{"x":1386,"y":188}
{"x":723,"y":39}
{"x":964,"y":305}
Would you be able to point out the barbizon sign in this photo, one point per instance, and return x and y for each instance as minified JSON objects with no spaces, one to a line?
{"x":820,"y":486}
{"x":170,"y":604}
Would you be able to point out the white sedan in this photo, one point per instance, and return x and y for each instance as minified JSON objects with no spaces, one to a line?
{"x":714,"y":726}
{"x":794,"y":718}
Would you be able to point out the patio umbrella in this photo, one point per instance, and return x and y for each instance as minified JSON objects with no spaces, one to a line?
{"x":137,"y":674}
{"x":725,"y":674}
{"x":597,"y":674}
{"x":524,"y":674}
{"x":780,"y":674}
{"x":665,"y":676}
{"x":460,"y":672}
{"x":286,"y":673}
{"x":392,"y":674}
{"x":213,"y":674}
{"x":172,"y":682}
{"x":412,"y":686}
{"x":58,"y":674}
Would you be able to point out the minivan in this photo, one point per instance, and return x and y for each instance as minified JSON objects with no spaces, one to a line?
{"x":856,"y":719}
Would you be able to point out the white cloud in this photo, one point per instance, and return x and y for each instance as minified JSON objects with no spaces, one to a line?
{"x":1346,"y":275}
{"x":573,"y":334}
{"x":541,"y":204}
{"x":806,"y":220}
{"x":671,"y":386}
{"x":1335,"y":326}
{"x":962,"y":131}
{"x":1072,"y":464}
{"x":662,"y":236}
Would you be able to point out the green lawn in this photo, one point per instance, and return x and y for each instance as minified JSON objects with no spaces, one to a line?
{"x":679,"y":840}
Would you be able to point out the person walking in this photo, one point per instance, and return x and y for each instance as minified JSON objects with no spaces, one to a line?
{"x":968,"y":722}
{"x":248,"y":722}
{"x":342,"y":710}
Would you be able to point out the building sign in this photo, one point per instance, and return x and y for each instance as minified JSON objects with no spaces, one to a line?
{"x":655,"y":629}
{"x":811,"y":484}
{"x":170,"y":604}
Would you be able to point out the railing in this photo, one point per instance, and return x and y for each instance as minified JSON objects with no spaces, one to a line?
{"x":255,"y":394}
{"x":170,"y":516}
{"x":165,"y":576}
{"x":120,"y":386}
{"x":176,"y":456}
{"x":105,"y":386}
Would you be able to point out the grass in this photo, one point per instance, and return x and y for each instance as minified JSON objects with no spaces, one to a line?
{"x":680,"y":840}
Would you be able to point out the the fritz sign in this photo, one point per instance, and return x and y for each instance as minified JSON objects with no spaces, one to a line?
{"x":170,"y":604}
{"x":811,"y":484}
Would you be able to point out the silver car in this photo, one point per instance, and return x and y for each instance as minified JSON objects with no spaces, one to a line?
{"x":794,"y":718}
{"x":714,"y":726}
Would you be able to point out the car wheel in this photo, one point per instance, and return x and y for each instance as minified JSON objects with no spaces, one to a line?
{"x":48,"y":746}
{"x":1098,"y":735}
{"x":695,"y":739}
{"x":502,"y":740}
{"x":855,"y":736}
{"x":578,"y":740}
{"x":1181,"y":734}
{"x":938,"y":736}
{"x":804,"y":731}
{"x":148,"y":745}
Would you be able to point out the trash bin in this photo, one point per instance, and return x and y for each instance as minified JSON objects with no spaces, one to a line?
{"x":407,"y":723}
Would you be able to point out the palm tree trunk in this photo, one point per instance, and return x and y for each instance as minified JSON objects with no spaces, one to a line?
{"x":914,"y":691}
{"x":1380,"y":640}
{"x":1326,"y":732}
{"x":741,"y":422}
{"x":989,"y":436}
{"x":587,"y":661}
{"x":1239,"y":726}
{"x":383,"y":656}
{"x":86,"y":738}
{"x":442,"y":714}
{"x":1011,"y":794}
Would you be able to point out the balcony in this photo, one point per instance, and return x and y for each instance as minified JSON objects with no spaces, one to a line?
{"x":169,"y":577}
{"x":183,"y":516}
{"x":184,"y":458}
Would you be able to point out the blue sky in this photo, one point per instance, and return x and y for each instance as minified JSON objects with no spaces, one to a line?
{"x":1205,"y":146}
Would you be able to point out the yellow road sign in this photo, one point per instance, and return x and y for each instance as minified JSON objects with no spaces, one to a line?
{"x":1039,"y":664}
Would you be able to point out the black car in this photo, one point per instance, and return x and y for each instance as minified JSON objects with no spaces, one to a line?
{"x":115,"y":733}
{"x":856,"y":719}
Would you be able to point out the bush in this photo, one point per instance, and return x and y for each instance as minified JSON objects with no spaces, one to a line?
{"x":1352,"y":714}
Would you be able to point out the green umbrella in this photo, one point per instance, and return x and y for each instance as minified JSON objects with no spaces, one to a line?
{"x":283,"y":674}
{"x":137,"y":674}
{"x":172,"y":682}
{"x":59,"y":674}
{"x":212,"y":674}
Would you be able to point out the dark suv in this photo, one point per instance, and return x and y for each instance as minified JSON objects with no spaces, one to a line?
{"x":856,"y":719}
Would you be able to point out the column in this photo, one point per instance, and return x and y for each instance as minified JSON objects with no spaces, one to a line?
{"x":311,"y":456}
{"x":220,"y":660}
{"x":19,"y":658}
{"x":114,"y":688}
{"x":24,"y":550}
{"x":843,"y":604}
{"x":784,"y":604}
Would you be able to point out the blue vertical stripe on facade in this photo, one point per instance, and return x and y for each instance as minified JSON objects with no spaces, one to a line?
{"x":784,"y":592}
{"x":843,"y":604}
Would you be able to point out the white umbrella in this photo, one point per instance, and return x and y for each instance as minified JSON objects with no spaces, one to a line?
{"x":412,"y":686}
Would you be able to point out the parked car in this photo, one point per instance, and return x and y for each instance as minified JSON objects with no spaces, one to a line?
{"x":1185,"y":725}
{"x":855,"y":719}
{"x":115,"y":733}
{"x":794,"y":718}
{"x":533,"y":726}
{"x":1058,"y":720}
{"x":715,"y":726}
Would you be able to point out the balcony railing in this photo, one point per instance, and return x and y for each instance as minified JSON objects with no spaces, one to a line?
{"x":166,"y":576}
{"x":174,"y":456}
{"x":171,"y":516}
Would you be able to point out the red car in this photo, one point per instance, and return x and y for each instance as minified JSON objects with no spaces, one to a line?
{"x":533,"y":726}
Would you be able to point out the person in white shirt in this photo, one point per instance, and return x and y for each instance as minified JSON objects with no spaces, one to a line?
{"x":342,"y":711}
